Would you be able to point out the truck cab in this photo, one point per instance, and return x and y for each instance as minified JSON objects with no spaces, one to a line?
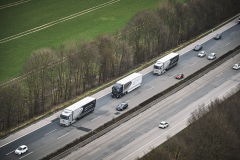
{"x":117,"y":90}
{"x":158,"y":68}
{"x":66,"y":118}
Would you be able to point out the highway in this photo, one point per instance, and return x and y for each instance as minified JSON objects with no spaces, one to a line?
{"x":53,"y":136}
{"x":137,"y":136}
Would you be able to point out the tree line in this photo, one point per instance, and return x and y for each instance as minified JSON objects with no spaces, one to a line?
{"x":55,"y":75}
{"x":213,"y":133}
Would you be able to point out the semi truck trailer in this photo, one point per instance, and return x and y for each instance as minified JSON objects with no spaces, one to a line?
{"x":165,"y":63}
{"x":126,"y":85}
{"x":77,"y":110}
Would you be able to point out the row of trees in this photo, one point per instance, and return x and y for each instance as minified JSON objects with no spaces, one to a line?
{"x":213,"y":133}
{"x":55,"y":75}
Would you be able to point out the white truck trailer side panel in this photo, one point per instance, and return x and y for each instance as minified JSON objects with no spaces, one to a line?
{"x":129,"y":78}
{"x":167,"y":58}
{"x":80,"y":103}
{"x":135,"y":83}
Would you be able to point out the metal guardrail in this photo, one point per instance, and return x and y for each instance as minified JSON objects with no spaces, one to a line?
{"x":101,"y":133}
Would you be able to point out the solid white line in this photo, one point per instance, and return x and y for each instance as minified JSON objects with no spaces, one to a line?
{"x":64,"y":135}
{"x":25,"y":134}
{"x":9,"y":153}
{"x":150,"y":88}
{"x":50,"y":132}
{"x":96,"y":118}
{"x":25,"y":155}
{"x":156,"y":138}
{"x":228,"y":89}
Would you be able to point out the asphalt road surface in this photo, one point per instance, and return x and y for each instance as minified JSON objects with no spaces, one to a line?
{"x":52,"y":136}
{"x":140,"y":134}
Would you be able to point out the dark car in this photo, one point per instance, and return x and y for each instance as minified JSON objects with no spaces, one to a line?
{"x":179,"y":76}
{"x":218,"y":36}
{"x":197,"y":47}
{"x":122,"y":106}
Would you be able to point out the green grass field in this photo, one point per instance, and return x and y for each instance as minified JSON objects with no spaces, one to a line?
{"x":34,"y":13}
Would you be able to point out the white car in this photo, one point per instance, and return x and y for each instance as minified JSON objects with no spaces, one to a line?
{"x":22,"y":149}
{"x":236,"y":66}
{"x":202,"y":54}
{"x":163,"y":124}
{"x":212,"y":56}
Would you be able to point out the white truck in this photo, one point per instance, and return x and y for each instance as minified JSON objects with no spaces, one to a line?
{"x":126,"y":85}
{"x":165,"y":63}
{"x":77,"y":110}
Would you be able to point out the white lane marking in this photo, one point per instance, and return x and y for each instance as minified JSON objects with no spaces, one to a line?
{"x":25,"y":134}
{"x":25,"y":155}
{"x":127,"y":100}
{"x":232,"y":32}
{"x":50,"y":132}
{"x":201,"y":86}
{"x":173,"y":76}
{"x":9,"y":153}
{"x":112,"y":100}
{"x":178,"y":101}
{"x":183,"y":61}
{"x":94,"y":151}
{"x":228,"y":90}
{"x":64,"y":135}
{"x":126,"y":132}
{"x":193,"y":63}
{"x":150,"y":88}
{"x":96,"y":118}
{"x":155,"y":138}
{"x":219,"y":74}
{"x":227,"y":43}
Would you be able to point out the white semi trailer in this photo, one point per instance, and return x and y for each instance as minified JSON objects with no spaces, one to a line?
{"x":126,"y":85}
{"x":165,"y":63}
{"x":79,"y":109}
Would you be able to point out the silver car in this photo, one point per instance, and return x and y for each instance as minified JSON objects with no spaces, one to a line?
{"x":163,"y":124}
{"x":212,"y":56}
{"x":202,"y":54}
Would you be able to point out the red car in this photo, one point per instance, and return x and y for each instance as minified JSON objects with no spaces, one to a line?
{"x":179,"y":76}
